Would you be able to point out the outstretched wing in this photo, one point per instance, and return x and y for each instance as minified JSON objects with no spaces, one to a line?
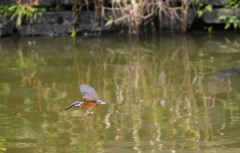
{"x":88,"y":93}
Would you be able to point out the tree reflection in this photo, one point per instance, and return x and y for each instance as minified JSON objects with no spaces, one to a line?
{"x":158,"y":92}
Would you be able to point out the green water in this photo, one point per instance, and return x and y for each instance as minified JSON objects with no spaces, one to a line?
{"x":162,"y":94}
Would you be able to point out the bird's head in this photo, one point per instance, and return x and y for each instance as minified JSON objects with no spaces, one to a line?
{"x":75,"y":104}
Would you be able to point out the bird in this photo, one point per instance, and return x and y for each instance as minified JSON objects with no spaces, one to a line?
{"x":89,"y":98}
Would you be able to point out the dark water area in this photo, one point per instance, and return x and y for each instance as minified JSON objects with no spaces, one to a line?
{"x":173,"y":93}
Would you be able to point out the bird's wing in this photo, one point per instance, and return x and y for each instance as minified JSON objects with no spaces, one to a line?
{"x":88,"y":93}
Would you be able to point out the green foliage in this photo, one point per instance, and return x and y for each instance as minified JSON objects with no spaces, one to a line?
{"x":19,"y":12}
{"x":230,"y":15}
{"x":203,"y":8}
{"x":231,"y":20}
{"x":4,"y":10}
{"x":74,"y":33}
{"x":110,"y":21}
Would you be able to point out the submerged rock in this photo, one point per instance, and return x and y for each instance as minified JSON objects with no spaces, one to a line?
{"x":229,"y":72}
{"x":223,"y":81}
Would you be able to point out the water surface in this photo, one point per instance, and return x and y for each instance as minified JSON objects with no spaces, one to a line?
{"x":162,"y":94}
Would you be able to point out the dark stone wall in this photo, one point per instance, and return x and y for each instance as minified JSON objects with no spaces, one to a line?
{"x":214,"y":2}
{"x":59,"y":23}
{"x":42,"y":3}
{"x":6,"y":26}
{"x":49,"y":24}
{"x":213,"y":16}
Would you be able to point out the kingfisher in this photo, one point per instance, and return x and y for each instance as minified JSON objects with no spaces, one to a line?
{"x":89,"y":98}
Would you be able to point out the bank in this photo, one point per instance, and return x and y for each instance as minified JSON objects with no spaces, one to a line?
{"x":74,"y":17}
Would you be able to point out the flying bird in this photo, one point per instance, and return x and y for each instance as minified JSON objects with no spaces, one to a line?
{"x":89,"y":98}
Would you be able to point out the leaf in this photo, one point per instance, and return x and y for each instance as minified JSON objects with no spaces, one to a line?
{"x":19,"y":19}
{"x":222,"y":17}
{"x":200,"y":13}
{"x":109,"y":22}
{"x":235,"y":25}
{"x":209,"y":8}
{"x":227,"y":26}
{"x":12,"y":8}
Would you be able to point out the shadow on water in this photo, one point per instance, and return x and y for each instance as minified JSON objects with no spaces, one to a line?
{"x":162,"y":94}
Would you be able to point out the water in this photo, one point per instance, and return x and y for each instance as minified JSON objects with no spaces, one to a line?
{"x":163,"y":94}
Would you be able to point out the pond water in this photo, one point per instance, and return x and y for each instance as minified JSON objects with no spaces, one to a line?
{"x":163,"y":94}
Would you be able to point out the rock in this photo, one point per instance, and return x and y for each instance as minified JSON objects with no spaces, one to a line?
{"x":42,"y":3}
{"x":45,"y":3}
{"x":229,"y":72}
{"x":223,"y":81}
{"x":8,"y":2}
{"x":213,"y":2}
{"x":88,"y":22}
{"x":175,"y":25}
{"x":213,"y":16}
{"x":67,"y":2}
{"x":6,"y":26}
{"x":48,"y":3}
{"x":86,"y":3}
{"x":58,"y":24}
{"x":49,"y":24}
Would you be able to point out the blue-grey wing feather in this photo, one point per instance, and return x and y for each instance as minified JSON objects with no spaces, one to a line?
{"x":88,"y":92}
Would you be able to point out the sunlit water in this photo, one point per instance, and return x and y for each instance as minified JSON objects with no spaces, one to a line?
{"x":163,"y":94}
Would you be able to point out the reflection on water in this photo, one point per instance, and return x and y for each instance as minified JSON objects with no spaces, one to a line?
{"x":162,"y":94}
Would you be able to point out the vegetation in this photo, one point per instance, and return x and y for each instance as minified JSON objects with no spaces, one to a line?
{"x":230,"y":14}
{"x":134,"y":14}
{"x":201,"y":8}
{"x":131,"y":15}
{"x":21,"y":11}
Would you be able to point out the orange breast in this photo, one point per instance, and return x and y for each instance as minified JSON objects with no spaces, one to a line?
{"x":89,"y":104}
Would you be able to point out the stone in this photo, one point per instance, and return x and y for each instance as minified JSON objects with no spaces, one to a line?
{"x":229,"y":72}
{"x":213,"y":2}
{"x":6,"y":26}
{"x":87,"y":3}
{"x":88,"y":21}
{"x":8,"y":2}
{"x":213,"y":16}
{"x":42,"y":3}
{"x":67,"y":2}
{"x":49,"y":24}
{"x":176,"y":25}
{"x":48,"y":3}
{"x":59,"y":23}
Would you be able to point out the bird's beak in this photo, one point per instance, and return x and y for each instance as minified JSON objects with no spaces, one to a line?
{"x":68,"y":107}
